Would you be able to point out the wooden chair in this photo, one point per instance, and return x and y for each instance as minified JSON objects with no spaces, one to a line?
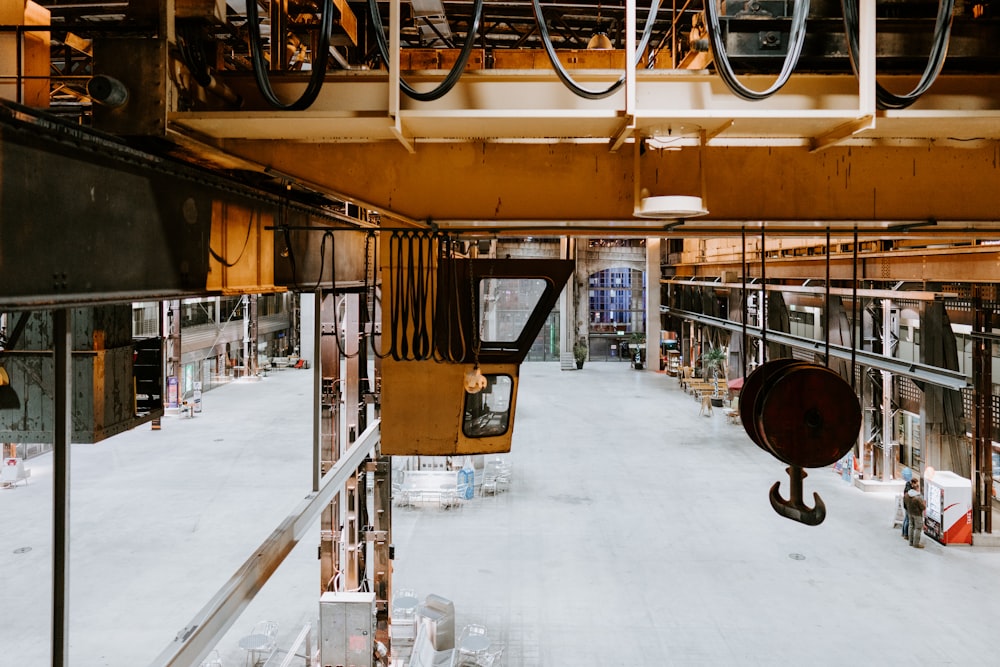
{"x":733,"y":413}
{"x":706,"y":406}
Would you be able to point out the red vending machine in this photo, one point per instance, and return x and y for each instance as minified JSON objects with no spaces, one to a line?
{"x":949,"y":508}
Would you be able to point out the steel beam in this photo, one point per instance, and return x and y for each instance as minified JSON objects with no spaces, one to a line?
{"x":913,"y":370}
{"x":982,"y":410}
{"x":568,"y":185}
{"x":85,"y":218}
{"x":63,"y":335}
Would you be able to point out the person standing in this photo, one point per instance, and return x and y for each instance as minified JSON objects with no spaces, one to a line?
{"x":915,"y":506}
{"x":906,"y":513}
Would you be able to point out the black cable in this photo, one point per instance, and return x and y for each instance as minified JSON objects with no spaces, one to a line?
{"x":448,"y":324}
{"x":939,"y":49}
{"x":826,"y":304}
{"x":246,"y":242}
{"x":320,"y":58}
{"x":333,"y":291}
{"x":561,"y":72}
{"x":395,"y":298}
{"x":288,"y":244}
{"x":402,"y":353}
{"x":369,"y":314}
{"x":193,"y":54}
{"x":322,"y":259}
{"x":422,"y":290}
{"x":456,"y":70}
{"x":796,"y":39}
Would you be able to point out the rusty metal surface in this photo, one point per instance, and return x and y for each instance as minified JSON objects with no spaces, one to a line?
{"x":86,"y":218}
{"x":753,"y":389}
{"x":102,"y":370}
{"x":78,"y":225}
{"x":808,"y":416}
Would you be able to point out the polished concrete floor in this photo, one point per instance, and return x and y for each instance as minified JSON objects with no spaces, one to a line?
{"x":635,"y":532}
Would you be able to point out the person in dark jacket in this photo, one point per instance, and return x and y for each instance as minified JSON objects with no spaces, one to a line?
{"x":906,"y":514}
{"x":915,"y":506}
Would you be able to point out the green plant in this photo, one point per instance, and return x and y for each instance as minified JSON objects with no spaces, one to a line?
{"x":714,"y":361}
{"x":580,"y":351}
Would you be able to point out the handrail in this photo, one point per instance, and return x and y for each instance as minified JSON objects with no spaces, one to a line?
{"x":214,"y":619}
{"x":305,"y":634}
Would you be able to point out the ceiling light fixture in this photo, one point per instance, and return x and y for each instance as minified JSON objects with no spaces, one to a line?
{"x":599,"y":41}
{"x":669,"y":207}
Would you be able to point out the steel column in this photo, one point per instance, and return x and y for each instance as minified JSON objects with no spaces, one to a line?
{"x":653,"y":301}
{"x":317,"y":472}
{"x":354,"y":413}
{"x":378,"y":536}
{"x":329,"y":361}
{"x":63,"y":337}
{"x":887,"y":350}
{"x":982,"y":423}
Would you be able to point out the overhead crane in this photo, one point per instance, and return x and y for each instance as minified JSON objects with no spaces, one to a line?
{"x":197,"y":149}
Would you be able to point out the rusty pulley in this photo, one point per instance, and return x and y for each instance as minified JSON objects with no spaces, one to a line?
{"x":805,"y":415}
{"x":808,"y":416}
{"x":753,"y":387}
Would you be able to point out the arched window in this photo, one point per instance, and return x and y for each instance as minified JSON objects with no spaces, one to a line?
{"x":617,"y":301}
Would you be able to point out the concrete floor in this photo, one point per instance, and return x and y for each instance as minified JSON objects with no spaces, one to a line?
{"x":635,"y":532}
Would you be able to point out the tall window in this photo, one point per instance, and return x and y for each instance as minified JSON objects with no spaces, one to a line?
{"x":617,"y":301}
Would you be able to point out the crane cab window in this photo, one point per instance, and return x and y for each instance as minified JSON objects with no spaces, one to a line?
{"x":487,"y":412}
{"x":505,"y":305}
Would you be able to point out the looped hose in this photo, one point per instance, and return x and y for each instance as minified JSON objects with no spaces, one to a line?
{"x":412,"y":309}
{"x":564,"y":76}
{"x":939,"y":49}
{"x":320,"y":58}
{"x":456,"y":71}
{"x":796,"y":39}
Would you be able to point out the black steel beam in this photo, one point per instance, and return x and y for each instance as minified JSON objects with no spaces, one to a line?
{"x":86,"y":218}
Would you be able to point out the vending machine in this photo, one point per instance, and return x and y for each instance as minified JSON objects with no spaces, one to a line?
{"x":949,"y":508}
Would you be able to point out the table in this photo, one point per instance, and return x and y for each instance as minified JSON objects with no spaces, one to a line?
{"x":474,"y":644}
{"x":405,"y":604}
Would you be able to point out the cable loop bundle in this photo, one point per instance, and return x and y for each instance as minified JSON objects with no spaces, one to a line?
{"x":561,"y":72}
{"x":796,"y":39}
{"x":456,"y":70}
{"x":320,"y":58}
{"x":412,"y":306}
{"x":939,"y":49}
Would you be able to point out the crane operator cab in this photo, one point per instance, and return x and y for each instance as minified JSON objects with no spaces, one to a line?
{"x":458,"y":330}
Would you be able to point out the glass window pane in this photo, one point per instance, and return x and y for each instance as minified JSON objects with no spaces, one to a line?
{"x":488,"y":412}
{"x":505,"y":304}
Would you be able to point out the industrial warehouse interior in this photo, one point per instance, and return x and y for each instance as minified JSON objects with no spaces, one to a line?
{"x":498,"y":333}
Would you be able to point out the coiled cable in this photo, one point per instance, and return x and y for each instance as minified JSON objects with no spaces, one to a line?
{"x":320,"y":58}
{"x":796,"y":39}
{"x":939,"y":50}
{"x":564,"y":76}
{"x":456,"y":71}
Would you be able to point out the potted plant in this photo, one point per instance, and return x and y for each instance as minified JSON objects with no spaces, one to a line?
{"x":580,"y":352}
{"x":714,"y":361}
{"x":637,"y":346}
